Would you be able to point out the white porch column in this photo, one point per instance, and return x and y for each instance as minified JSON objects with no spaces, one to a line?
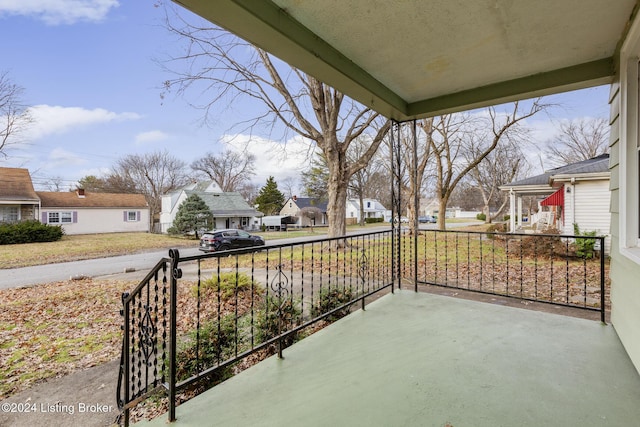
{"x":519,"y":211}
{"x":512,"y":211}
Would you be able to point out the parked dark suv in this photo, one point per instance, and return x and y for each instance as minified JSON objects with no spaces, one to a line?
{"x":222,"y":240}
{"x":427,"y":219}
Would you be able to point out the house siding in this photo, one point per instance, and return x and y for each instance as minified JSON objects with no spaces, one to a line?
{"x":624,"y":273}
{"x":90,"y":221}
{"x":291,"y":208}
{"x":229,"y":209}
{"x":588,"y":205}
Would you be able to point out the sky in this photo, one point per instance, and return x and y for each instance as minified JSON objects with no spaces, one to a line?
{"x":90,"y":71}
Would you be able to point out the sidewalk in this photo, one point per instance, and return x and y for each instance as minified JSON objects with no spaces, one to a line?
{"x":85,"y":398}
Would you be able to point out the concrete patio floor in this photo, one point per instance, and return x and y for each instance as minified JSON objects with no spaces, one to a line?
{"x":416,"y":359}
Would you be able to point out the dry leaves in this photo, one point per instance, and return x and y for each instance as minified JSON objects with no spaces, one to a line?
{"x":55,"y":329}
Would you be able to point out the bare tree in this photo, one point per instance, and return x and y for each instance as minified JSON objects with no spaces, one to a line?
{"x":313,"y":213}
{"x":501,"y":166}
{"x":230,"y":170}
{"x":55,"y":183}
{"x":579,"y":139}
{"x":361,"y":182}
{"x":316,"y":179}
{"x":379,"y":185}
{"x":217,"y":64}
{"x":289,"y":185}
{"x":415,"y":169}
{"x":152,"y":174}
{"x":14,"y":114}
{"x":250,"y":192}
{"x":466,"y":196}
{"x":460,"y":133}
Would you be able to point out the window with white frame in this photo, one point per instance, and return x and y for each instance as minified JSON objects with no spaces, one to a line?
{"x":60,"y":217}
{"x":66,"y":217}
{"x":132,"y":216}
{"x":54,"y":218}
{"x":9,"y":213}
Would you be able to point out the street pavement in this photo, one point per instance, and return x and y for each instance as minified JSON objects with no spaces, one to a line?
{"x":138,"y":262}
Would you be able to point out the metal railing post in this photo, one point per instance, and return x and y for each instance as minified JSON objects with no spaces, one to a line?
{"x":176,"y":274}
{"x":602,"y":279}
{"x":416,"y":207}
{"x":124,"y":362}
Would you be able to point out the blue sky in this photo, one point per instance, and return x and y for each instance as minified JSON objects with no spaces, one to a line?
{"x":87,"y":67}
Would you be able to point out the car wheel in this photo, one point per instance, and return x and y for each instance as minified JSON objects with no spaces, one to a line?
{"x":224,"y":248}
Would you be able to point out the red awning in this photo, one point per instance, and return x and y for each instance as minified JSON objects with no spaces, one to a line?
{"x":556,"y":199}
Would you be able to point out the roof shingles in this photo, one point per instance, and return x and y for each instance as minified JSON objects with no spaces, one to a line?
{"x":90,"y":200}
{"x":15,"y":185}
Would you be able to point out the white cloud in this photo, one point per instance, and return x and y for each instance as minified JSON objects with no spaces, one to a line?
{"x":59,"y":157}
{"x":150,"y":136}
{"x":280,"y":160}
{"x":56,"y":12}
{"x":50,"y":119}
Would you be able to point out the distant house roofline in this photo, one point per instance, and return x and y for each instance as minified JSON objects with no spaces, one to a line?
{"x":594,"y":168}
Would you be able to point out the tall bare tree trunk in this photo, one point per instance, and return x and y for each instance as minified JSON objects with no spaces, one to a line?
{"x":361,"y":201}
{"x":442,"y":212}
{"x":336,"y":208}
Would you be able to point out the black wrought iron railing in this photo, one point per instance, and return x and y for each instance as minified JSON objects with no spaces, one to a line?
{"x":193,"y":318}
{"x":550,"y":268}
{"x":145,"y":312}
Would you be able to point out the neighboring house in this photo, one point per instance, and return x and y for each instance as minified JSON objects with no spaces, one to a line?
{"x":18,"y":200}
{"x":577,"y":193}
{"x":77,"y":212}
{"x":82,"y":212}
{"x":372,"y":209}
{"x":432,"y":207}
{"x":429,"y":207}
{"x":229,"y":210}
{"x":295,"y":207}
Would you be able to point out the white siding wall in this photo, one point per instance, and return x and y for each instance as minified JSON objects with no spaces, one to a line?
{"x":168,"y":214}
{"x":291,"y":209}
{"x":625,"y":286}
{"x":92,"y":221}
{"x":588,"y":205}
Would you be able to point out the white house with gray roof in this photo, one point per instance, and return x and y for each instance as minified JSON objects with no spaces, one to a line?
{"x":577,"y":193}
{"x":230,"y":209}
{"x":372,"y":209}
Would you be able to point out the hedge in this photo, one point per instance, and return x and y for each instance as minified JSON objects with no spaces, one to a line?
{"x":30,"y":231}
{"x":373,"y":220}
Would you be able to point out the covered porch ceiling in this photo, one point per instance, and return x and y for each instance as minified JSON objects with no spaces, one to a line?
{"x":412,"y":58}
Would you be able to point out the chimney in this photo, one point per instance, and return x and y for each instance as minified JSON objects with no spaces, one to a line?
{"x":80,"y":193}
{"x":294,"y":198}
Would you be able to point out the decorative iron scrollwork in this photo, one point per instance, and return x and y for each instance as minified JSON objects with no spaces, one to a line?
{"x":280,"y":286}
{"x":147,"y":335}
{"x":363,"y":267}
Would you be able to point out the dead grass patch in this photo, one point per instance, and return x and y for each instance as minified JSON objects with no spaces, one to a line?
{"x":86,"y":246}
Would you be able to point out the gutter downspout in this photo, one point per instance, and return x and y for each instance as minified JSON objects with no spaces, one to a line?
{"x":573,"y":203}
